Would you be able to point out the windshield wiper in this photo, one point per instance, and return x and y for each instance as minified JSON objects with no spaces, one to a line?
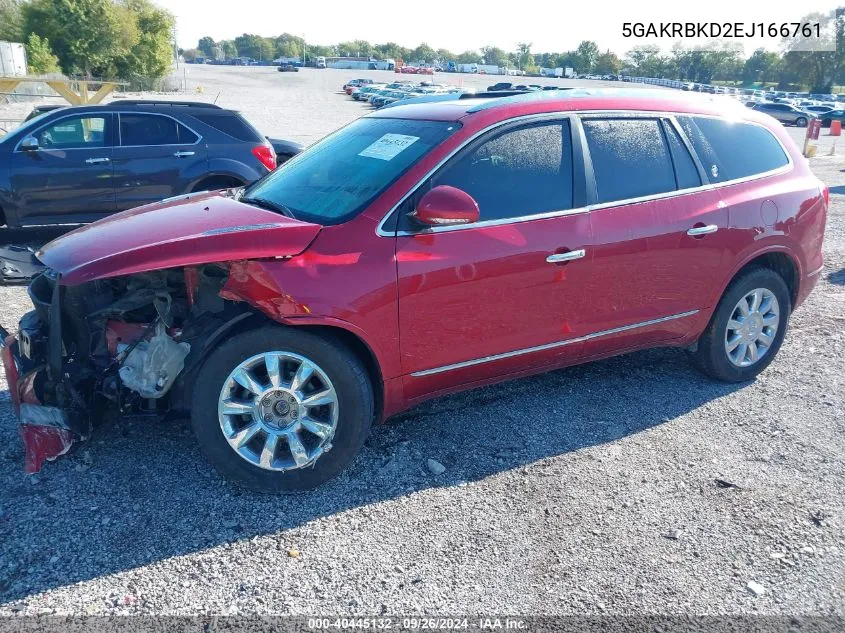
{"x":269,"y":205}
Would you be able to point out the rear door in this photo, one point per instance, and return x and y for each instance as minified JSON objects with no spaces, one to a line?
{"x":736,"y":157}
{"x":69,"y":178}
{"x":509,"y":293}
{"x":157,"y":157}
{"x":649,"y":273}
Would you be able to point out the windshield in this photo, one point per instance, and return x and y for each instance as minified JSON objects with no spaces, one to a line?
{"x":338,"y":177}
{"x":33,"y":122}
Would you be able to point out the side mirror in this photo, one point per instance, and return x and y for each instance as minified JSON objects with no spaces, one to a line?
{"x":29,"y":144}
{"x":446,"y":206}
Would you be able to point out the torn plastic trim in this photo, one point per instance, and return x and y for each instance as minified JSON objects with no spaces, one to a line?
{"x":18,"y":263}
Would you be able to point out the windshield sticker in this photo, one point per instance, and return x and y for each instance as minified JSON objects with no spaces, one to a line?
{"x":388,"y":146}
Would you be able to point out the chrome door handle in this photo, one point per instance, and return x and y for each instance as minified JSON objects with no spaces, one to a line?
{"x":702,"y":230}
{"x":181,"y":154}
{"x":557,"y":258}
{"x":95,"y":161}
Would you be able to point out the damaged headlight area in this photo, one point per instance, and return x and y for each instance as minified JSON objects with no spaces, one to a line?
{"x":110,"y":348}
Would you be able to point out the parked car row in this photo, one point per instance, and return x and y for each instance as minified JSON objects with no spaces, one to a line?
{"x":788,"y":108}
{"x":508,"y":86}
{"x":78,"y":164}
{"x":415,"y":70}
{"x":379,"y":95}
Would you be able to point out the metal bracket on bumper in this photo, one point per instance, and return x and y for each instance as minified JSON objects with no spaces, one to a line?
{"x":46,"y":431}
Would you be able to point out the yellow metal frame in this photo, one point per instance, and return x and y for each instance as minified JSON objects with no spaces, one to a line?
{"x":74,"y":92}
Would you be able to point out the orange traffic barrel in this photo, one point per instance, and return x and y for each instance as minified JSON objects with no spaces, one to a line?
{"x":835,"y":128}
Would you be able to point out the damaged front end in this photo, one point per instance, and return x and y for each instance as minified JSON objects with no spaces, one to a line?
{"x":109,"y":348}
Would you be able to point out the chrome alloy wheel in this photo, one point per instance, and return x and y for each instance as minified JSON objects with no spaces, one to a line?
{"x":752,"y":327}
{"x":278,"y":411}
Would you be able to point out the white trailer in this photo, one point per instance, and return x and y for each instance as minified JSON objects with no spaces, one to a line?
{"x":569,"y":72}
{"x":551,"y":72}
{"x":12,"y":59}
{"x":467,"y":68}
{"x":488,"y":69}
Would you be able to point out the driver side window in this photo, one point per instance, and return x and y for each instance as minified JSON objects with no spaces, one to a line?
{"x":517,"y":172}
{"x":74,"y":133}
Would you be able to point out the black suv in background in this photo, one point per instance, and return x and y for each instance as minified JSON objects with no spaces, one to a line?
{"x":79,"y":164}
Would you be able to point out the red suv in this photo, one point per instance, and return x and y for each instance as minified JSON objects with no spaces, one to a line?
{"x":419,"y":251}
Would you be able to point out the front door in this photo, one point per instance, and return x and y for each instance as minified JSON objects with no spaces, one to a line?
{"x":508,"y":293}
{"x":68,"y":178}
{"x":157,"y":158}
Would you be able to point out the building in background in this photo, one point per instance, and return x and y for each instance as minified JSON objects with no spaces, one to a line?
{"x":12,"y":59}
{"x":359,"y":63}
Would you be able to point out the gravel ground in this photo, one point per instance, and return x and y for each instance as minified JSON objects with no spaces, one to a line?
{"x":588,"y":490}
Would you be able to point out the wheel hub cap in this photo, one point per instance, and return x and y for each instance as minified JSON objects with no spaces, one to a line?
{"x":752,"y":327}
{"x":279,"y":407}
{"x":278,"y":411}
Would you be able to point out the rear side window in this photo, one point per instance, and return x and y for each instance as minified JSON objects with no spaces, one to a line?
{"x":153,"y":129}
{"x":630,"y":158}
{"x":686,"y":173}
{"x":232,"y":124}
{"x":518,"y":172}
{"x":730,"y":150}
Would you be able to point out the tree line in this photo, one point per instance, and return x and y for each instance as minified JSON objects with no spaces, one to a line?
{"x":127,"y":39}
{"x":133,"y":39}
{"x":720,"y":61}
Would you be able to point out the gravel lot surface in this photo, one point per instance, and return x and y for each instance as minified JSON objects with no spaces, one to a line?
{"x":588,"y":490}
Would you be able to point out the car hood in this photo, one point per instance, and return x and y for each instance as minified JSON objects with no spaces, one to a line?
{"x":183,"y":231}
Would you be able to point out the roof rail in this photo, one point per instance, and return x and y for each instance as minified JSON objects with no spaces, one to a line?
{"x":154,"y":102}
{"x":539,"y":95}
{"x":491,"y":94}
{"x":498,"y":94}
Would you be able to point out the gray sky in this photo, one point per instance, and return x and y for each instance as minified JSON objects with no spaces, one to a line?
{"x":551,"y":26}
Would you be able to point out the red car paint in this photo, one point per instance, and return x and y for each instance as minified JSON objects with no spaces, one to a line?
{"x":185,"y":231}
{"x":430,"y":300}
{"x":43,"y":444}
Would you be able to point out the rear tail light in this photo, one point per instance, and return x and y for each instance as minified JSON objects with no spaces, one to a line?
{"x":266,"y":154}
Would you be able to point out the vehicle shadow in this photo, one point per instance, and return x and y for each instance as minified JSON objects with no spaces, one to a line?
{"x":837,"y":277}
{"x":140,"y":491}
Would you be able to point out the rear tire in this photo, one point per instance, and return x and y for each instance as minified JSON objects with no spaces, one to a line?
{"x":713,"y":357}
{"x":333,"y":363}
{"x":801,"y":121}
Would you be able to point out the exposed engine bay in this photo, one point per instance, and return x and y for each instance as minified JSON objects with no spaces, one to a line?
{"x":112,"y":347}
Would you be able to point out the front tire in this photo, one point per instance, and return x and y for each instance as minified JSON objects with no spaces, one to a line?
{"x":279,"y":409}
{"x":801,"y":121}
{"x":747,"y":328}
